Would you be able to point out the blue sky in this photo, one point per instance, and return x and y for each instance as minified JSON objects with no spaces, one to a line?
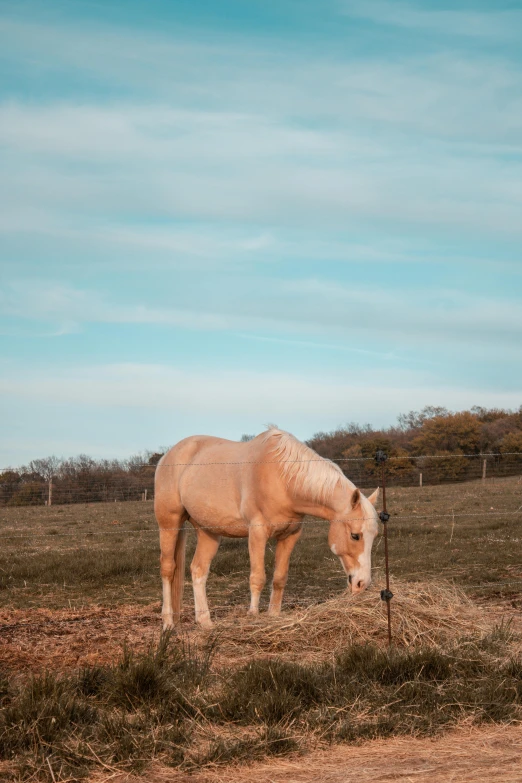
{"x":218,"y":215}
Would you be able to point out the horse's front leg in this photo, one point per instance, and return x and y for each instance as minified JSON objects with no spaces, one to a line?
{"x":257,"y":538}
{"x":206,"y":548}
{"x":284,"y":549}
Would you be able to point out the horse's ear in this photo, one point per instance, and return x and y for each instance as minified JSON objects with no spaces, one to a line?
{"x":356,"y":498}
{"x":374,"y":497}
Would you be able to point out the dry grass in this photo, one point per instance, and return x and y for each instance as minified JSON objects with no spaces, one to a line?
{"x":107,"y":553}
{"x":462,"y":756}
{"x":270,"y":687}
{"x":428,"y":613}
{"x":34,"y":640}
{"x":423,"y":613}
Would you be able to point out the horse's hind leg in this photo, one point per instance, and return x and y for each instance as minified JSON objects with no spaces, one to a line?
{"x":172,"y":562}
{"x":206,"y":548}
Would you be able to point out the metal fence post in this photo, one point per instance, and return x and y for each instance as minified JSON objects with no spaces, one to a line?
{"x":386,"y":595}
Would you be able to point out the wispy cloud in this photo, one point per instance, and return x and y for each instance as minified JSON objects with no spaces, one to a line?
{"x":226,"y":167}
{"x":440,"y":92}
{"x":303,"y":309}
{"x":328,"y":346}
{"x":155,"y":132}
{"x":417,"y":140}
{"x":63,"y":304}
{"x":497,"y":23}
{"x":277,"y":395}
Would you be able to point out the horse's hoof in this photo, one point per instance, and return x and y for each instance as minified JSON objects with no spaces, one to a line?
{"x":204,"y":621}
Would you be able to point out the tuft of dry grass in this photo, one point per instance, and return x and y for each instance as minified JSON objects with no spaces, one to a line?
{"x":431,"y":613}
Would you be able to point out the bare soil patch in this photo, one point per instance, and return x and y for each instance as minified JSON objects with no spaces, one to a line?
{"x":37,"y":639}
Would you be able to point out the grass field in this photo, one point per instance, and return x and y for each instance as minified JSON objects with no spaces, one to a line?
{"x":107,"y":553}
{"x":77,"y":583}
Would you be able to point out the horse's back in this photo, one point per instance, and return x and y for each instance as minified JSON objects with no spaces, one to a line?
{"x":183,"y":455}
{"x":221,"y":483}
{"x":198,"y":450}
{"x":203,"y":476}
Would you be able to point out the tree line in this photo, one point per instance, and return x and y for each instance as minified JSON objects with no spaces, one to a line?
{"x":441,"y":444}
{"x":79,"y":479}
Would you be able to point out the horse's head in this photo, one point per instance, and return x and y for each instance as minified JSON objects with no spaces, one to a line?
{"x":351,"y":537}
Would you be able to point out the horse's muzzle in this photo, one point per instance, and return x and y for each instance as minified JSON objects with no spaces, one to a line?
{"x":358,"y":585}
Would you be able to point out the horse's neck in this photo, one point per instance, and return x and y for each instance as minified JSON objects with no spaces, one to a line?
{"x":313,"y":509}
{"x":330,"y":509}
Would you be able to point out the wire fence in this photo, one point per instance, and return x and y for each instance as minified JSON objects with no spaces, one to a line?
{"x":137,"y":484}
{"x":34,"y":540}
{"x":118,"y":489}
{"x":36,"y":532}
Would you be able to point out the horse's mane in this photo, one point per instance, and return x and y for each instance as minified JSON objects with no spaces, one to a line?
{"x":313,"y":475}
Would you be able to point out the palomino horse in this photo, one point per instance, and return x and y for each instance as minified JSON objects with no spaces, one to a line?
{"x":258,"y":490}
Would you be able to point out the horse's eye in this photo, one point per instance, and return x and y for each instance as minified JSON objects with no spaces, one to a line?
{"x":355,"y":536}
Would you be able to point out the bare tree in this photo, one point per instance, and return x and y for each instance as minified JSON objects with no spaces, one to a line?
{"x":47,"y":468}
{"x":415,"y":419}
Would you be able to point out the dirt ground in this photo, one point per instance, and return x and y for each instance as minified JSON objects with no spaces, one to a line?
{"x":464,"y":756}
{"x":37,"y":639}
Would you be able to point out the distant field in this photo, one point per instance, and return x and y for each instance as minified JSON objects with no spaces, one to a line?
{"x":107,"y":553}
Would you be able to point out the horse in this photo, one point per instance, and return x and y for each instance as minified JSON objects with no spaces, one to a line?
{"x":259,"y":489}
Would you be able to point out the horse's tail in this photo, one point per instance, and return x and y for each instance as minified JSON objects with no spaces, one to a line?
{"x":178,"y":582}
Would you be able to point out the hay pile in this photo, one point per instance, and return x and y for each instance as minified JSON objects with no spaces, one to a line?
{"x":431,"y":613}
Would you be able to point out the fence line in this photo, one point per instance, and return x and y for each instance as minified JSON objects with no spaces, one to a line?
{"x":131,"y":484}
{"x":404,"y":457}
{"x":312,"y":521}
{"x":121,"y":491}
{"x":142,"y":534}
